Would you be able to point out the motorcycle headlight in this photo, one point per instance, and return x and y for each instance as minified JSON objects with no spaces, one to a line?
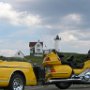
{"x":88,"y":73}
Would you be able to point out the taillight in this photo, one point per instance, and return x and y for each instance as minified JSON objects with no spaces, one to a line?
{"x":47,"y":59}
{"x":53,"y":70}
{"x":49,"y":69}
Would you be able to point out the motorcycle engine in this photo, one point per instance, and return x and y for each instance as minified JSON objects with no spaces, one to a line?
{"x":87,"y":76}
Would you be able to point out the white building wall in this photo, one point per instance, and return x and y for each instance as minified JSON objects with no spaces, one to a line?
{"x":38,"y":48}
{"x":19,"y":54}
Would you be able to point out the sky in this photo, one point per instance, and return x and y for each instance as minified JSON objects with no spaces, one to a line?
{"x":23,"y":21}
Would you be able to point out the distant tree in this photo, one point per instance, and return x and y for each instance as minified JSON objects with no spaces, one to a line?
{"x":2,"y":57}
{"x":88,"y":56}
{"x":89,"y":52}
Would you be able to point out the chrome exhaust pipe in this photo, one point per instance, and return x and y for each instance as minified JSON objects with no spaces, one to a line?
{"x":63,"y":80}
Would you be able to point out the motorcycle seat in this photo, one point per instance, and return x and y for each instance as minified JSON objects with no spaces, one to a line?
{"x":73,"y":63}
{"x":76,"y":65}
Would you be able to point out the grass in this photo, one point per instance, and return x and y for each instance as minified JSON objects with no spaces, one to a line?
{"x":34,"y":59}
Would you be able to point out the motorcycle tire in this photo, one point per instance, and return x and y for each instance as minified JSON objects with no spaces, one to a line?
{"x":63,"y":85}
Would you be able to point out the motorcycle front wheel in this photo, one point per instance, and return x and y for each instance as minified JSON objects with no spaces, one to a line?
{"x":63,"y":85}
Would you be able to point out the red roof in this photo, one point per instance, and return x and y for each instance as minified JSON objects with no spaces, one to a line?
{"x":32,"y":44}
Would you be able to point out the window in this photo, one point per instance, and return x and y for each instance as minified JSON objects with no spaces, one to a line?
{"x":18,"y":53}
{"x":38,"y":45}
{"x":38,"y":50}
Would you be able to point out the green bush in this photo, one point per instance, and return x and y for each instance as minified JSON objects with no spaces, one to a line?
{"x":77,"y":57}
{"x":13,"y":59}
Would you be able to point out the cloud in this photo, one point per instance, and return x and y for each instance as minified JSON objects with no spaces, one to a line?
{"x":68,"y":36}
{"x":73,"y":41}
{"x":9,"y":14}
{"x":72,"y":18}
{"x":7,"y":52}
{"x":74,"y":35}
{"x":22,"y":1}
{"x":32,"y":20}
{"x":10,"y":47}
{"x":72,"y":21}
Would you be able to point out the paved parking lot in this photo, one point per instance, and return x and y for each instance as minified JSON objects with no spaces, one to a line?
{"x":52,"y":87}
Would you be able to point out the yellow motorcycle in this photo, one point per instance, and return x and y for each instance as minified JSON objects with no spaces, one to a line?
{"x":63,"y":75}
{"x":15,"y":75}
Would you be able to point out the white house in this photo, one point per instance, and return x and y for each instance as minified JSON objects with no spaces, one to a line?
{"x":19,"y":54}
{"x":36,"y":48}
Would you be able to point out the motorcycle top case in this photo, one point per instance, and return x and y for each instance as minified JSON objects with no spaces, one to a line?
{"x":51,"y":59}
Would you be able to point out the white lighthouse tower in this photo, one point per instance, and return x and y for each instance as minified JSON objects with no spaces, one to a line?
{"x":57,"y":41}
